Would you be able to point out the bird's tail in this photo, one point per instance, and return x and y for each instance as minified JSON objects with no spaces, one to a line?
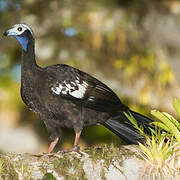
{"x":122,"y":127}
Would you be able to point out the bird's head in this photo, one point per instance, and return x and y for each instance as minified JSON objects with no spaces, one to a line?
{"x":22,"y":32}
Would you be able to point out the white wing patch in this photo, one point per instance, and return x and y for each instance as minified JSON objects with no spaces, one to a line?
{"x":75,"y":88}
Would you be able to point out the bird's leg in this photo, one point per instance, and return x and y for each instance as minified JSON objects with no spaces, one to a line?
{"x":50,"y":149}
{"x":75,"y":147}
{"x":52,"y":145}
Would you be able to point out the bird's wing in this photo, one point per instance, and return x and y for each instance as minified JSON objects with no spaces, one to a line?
{"x":81,"y":88}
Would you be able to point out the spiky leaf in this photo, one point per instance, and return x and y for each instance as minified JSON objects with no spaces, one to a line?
{"x":176,"y":105}
{"x":163,"y":118}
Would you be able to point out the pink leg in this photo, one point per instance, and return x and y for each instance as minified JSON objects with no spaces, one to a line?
{"x":77,"y":138}
{"x":52,"y":145}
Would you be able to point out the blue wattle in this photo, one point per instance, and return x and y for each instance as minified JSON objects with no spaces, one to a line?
{"x":23,"y":41}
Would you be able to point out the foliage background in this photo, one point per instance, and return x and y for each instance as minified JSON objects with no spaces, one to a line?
{"x":131,"y":45}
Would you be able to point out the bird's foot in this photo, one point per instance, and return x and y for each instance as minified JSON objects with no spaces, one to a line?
{"x":74,"y":149}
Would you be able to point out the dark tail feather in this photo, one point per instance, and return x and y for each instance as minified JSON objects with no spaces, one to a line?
{"x":122,"y":127}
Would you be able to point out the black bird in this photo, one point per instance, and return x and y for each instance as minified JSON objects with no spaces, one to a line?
{"x":64,"y":96}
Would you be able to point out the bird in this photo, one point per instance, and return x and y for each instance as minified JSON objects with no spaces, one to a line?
{"x":64,"y":96}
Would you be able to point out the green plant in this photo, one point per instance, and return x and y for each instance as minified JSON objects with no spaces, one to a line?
{"x":168,"y":122}
{"x":49,"y":176}
{"x":140,"y":129}
{"x":23,"y":168}
{"x":1,"y":166}
{"x":162,"y":147}
{"x":158,"y":152}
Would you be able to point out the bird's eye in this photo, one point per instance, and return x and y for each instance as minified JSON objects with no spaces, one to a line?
{"x":19,"y":29}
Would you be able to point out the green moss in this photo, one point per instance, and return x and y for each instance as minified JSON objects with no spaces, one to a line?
{"x":7,"y":169}
{"x":103,"y":152}
{"x":69,"y":167}
{"x":108,"y":153}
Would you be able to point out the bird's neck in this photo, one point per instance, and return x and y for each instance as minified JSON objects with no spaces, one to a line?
{"x":28,"y":58}
{"x":29,"y":68}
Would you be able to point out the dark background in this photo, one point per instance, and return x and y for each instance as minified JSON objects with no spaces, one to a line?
{"x":131,"y":45}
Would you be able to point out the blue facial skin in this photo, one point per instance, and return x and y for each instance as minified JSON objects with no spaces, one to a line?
{"x":23,"y":41}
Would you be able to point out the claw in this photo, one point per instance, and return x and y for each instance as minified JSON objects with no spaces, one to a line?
{"x":76,"y":148}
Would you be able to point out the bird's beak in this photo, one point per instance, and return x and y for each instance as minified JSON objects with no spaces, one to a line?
{"x":9,"y":32}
